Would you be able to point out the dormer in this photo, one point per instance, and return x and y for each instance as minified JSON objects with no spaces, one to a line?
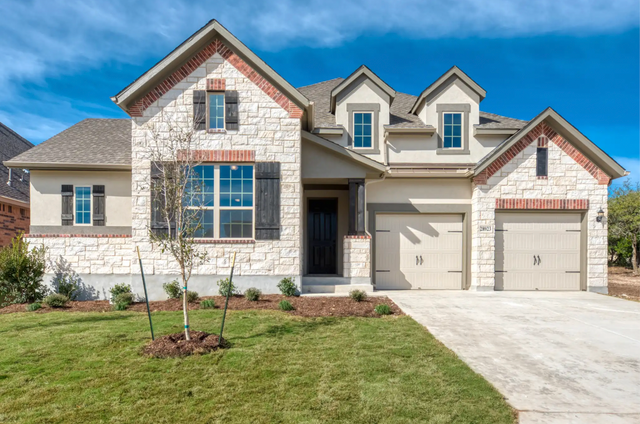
{"x":452,"y":105}
{"x":361,"y":105}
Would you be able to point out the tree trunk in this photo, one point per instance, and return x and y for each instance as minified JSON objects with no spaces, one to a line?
{"x":185,"y":310}
{"x":634,"y":254}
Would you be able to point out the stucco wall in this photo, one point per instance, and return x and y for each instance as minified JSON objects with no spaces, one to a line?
{"x":419,"y":191}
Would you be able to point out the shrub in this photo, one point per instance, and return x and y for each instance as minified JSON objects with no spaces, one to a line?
{"x":173,"y":289}
{"x":21,"y":272}
{"x":33,"y":306}
{"x":288,"y":287}
{"x":55,"y":300}
{"x":192,"y":297}
{"x":207,"y":304}
{"x":252,"y":294}
{"x":65,"y":280}
{"x":285,"y":305}
{"x":225,"y":286}
{"x":119,"y":306}
{"x":358,"y":295}
{"x":124,"y":298}
{"x":119,"y":289}
{"x":383,"y":309}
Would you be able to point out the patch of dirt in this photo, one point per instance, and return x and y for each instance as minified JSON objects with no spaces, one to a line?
{"x":623,"y":283}
{"x":175,"y":345}
{"x":304,"y":306}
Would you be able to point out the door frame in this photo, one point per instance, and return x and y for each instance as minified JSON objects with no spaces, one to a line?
{"x":336,"y":202}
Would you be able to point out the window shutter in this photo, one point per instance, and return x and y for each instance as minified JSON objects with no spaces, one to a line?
{"x":158,"y":224}
{"x":267,"y":200}
{"x":231,"y":110}
{"x":98,"y":205}
{"x":67,"y":204}
{"x":199,"y":109}
{"x":542,"y":162}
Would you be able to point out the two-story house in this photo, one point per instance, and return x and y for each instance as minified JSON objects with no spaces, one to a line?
{"x":342,"y":184}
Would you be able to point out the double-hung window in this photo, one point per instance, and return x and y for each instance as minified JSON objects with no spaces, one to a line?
{"x":452,"y":136}
{"x":83,"y":205}
{"x":216,"y":110}
{"x":362,"y":130}
{"x":221,"y":197}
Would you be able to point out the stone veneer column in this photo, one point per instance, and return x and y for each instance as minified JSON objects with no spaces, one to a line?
{"x":357,"y":259}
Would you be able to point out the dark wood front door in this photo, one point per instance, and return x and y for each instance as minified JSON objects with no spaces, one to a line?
{"x":322,"y":227}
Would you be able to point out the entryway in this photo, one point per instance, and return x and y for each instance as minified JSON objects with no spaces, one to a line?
{"x":322,"y":228}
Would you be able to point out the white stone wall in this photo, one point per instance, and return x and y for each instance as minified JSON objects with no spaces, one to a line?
{"x":357,"y":257}
{"x":517,"y":180}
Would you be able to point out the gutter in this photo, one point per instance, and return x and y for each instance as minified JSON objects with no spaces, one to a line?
{"x":70,"y":166}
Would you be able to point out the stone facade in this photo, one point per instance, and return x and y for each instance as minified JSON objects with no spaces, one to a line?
{"x":13,"y":221}
{"x":357,"y":258}
{"x":516,"y":178}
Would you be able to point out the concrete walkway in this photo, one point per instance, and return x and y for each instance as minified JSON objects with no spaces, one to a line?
{"x":556,"y":357}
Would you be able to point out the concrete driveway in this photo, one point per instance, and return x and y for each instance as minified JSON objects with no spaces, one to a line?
{"x":556,"y":357}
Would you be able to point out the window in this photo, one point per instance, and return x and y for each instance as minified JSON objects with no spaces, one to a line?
{"x":452,"y":135}
{"x":222,"y":200}
{"x":83,"y":205}
{"x":362,"y":126}
{"x":216,"y":111}
{"x":542,"y":157}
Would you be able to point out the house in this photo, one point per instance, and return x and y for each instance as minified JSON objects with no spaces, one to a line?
{"x":342,"y":184}
{"x":14,"y":187}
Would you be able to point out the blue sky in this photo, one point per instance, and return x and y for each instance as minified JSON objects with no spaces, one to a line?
{"x":64,"y":59}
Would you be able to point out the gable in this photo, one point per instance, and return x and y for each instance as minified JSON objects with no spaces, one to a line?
{"x":449,"y":78}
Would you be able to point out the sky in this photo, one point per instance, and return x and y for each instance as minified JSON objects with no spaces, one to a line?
{"x":62,"y":60}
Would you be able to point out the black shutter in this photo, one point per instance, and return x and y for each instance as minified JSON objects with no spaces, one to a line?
{"x":67,"y":204}
{"x":158,"y":223}
{"x":267,"y":200}
{"x":542,"y":162}
{"x":98,"y":205}
{"x":231,"y":110}
{"x":199,"y":109}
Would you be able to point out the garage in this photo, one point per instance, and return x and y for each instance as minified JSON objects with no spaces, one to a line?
{"x":538,"y":251}
{"x":418,"y":251}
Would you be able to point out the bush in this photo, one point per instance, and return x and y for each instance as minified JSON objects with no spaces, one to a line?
{"x":358,"y":295}
{"x":21,"y":272}
{"x":383,"y":309}
{"x":119,"y":289}
{"x":287,"y":286}
{"x":252,"y":294}
{"x":33,"y":306}
{"x":207,"y":304}
{"x":192,"y":297}
{"x":65,"y":280}
{"x":225,"y":286}
{"x":285,"y":305}
{"x":119,"y":306}
{"x":173,"y":289}
{"x":124,"y":298}
{"x":55,"y":300}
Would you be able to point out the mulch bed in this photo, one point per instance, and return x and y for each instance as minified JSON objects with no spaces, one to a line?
{"x":304,"y":306}
{"x":175,"y":345}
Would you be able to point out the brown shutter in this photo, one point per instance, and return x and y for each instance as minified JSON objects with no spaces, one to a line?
{"x":158,"y":224}
{"x":199,"y":109}
{"x":67,"y":204}
{"x":231,"y":110}
{"x":267,"y":200}
{"x":98,"y":205}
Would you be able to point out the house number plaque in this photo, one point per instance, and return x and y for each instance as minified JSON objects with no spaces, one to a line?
{"x":485,"y":228}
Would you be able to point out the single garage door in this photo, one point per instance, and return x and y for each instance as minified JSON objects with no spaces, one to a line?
{"x":537,"y":251}
{"x":418,"y":251}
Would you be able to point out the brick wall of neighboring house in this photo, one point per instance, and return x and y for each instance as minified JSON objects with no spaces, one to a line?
{"x":13,"y":220}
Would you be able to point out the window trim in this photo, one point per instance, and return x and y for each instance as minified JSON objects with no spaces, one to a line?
{"x":374,"y":109}
{"x":464,"y":109}
{"x":224,"y":111}
{"x":75,"y":206}
{"x":353,"y":116}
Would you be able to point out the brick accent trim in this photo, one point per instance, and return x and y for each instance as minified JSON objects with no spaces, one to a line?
{"x":538,"y":134}
{"x":216,"y":46}
{"x":216,"y":84}
{"x":556,"y":204}
{"x":77,"y":235}
{"x":543,"y":142}
{"x":365,"y":237}
{"x":220,"y":155}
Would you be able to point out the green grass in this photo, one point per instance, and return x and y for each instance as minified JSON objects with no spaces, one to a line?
{"x":86,"y":367}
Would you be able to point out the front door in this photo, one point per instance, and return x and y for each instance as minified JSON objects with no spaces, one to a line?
{"x":322,"y":228}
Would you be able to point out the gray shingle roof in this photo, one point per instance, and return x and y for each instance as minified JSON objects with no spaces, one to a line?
{"x":12,"y":144}
{"x":401,"y":117}
{"x":89,"y":142}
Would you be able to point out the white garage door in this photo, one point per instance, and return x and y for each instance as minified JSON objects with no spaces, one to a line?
{"x":418,"y":251}
{"x":537,"y":251}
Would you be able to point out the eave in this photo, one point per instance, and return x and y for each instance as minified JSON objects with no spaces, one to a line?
{"x":495,"y":131}
{"x":334,"y":147}
{"x":41,"y":166}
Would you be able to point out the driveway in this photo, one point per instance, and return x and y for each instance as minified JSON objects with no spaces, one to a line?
{"x":556,"y":357}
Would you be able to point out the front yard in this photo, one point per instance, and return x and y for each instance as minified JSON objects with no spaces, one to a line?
{"x":87,"y":367}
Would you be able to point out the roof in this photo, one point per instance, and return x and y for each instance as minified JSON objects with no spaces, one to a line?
{"x":343,"y":151}
{"x":369,"y":74}
{"x":89,"y":144}
{"x":454,"y":72}
{"x":190,"y":47}
{"x":562,"y":126}
{"x":12,"y":144}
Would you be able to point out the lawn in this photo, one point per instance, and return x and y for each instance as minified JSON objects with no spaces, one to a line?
{"x":86,"y":367}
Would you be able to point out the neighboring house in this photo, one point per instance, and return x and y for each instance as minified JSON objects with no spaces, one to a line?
{"x":341,"y":184}
{"x":14,"y":187}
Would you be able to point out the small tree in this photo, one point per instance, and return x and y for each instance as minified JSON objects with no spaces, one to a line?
{"x":624,"y":217}
{"x":21,"y":272}
{"x":176,"y":207}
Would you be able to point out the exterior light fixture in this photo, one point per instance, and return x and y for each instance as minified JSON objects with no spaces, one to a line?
{"x":600,"y":215}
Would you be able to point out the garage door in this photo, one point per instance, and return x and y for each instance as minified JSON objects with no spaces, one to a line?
{"x":418,"y":251}
{"x":537,"y":251}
